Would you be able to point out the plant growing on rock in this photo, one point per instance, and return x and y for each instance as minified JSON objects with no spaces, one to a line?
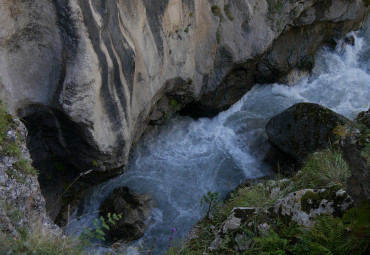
{"x":100,"y":225}
{"x":228,"y":12}
{"x":211,"y":200}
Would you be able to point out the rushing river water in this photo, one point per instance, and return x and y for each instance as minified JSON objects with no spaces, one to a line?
{"x":179,"y":162}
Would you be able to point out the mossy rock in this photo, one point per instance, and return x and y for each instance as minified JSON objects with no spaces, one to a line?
{"x":303,"y":128}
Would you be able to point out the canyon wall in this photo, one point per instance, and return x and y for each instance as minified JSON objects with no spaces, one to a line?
{"x":88,"y":76}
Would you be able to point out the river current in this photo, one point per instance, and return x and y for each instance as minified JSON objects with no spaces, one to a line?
{"x":179,"y":162}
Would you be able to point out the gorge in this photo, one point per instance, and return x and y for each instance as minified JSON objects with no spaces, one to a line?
{"x":99,"y":85}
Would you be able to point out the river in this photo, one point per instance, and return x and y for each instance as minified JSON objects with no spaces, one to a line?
{"x":179,"y":162}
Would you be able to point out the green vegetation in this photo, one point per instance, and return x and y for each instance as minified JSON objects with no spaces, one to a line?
{"x":100,"y":226}
{"x":175,"y":105}
{"x":186,"y":30}
{"x":275,"y":6}
{"x":218,"y":35}
{"x":38,"y":242}
{"x":216,"y":11}
{"x":322,"y":169}
{"x":11,"y":146}
{"x":211,"y":200}
{"x":228,"y":12}
{"x":366,"y":3}
{"x":330,"y":235}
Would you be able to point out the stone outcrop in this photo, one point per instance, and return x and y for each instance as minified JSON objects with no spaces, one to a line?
{"x":302,"y":206}
{"x":88,"y":76}
{"x":22,"y":206}
{"x":133,"y":210}
{"x":303,"y":128}
{"x":355,"y":147}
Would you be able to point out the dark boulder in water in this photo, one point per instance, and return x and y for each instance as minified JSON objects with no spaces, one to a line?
{"x":303,"y":128}
{"x":134,"y":210}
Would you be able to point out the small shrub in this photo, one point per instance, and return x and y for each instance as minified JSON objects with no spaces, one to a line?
{"x":100,"y":225}
{"x":175,"y":105}
{"x":186,"y":30}
{"x":228,"y":12}
{"x":216,"y":11}
{"x":211,"y":200}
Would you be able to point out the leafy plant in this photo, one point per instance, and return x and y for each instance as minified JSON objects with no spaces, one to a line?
{"x":175,"y":105}
{"x":100,"y":225}
{"x":211,"y":200}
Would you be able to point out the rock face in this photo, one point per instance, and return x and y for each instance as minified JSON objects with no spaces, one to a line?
{"x":302,"y":206}
{"x":355,"y":147}
{"x":111,"y":66}
{"x":87,"y":76}
{"x":303,"y":128}
{"x":21,"y":205}
{"x":135,"y":210}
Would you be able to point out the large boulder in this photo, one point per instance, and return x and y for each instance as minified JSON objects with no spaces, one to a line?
{"x":134,"y":209}
{"x":303,"y":128}
{"x":355,"y":147}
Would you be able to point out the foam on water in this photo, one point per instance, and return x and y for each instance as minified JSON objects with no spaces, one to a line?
{"x":181,"y":161}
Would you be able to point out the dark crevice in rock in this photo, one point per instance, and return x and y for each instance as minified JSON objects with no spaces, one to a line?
{"x":57,"y":150}
{"x":238,"y":82}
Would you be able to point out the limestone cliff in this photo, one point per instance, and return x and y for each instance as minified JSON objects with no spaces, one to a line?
{"x":87,"y":76}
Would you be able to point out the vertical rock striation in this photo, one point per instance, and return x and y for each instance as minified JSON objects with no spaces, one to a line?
{"x":95,"y":73}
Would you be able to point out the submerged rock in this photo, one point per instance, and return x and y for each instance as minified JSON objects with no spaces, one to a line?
{"x":134,"y":209}
{"x":303,"y":128}
{"x":355,"y":147}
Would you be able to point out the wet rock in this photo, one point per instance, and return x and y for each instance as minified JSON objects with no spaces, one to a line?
{"x":303,"y":128}
{"x":355,"y":147}
{"x":135,"y":210}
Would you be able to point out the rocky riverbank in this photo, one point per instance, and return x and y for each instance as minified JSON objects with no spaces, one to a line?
{"x":307,"y":213}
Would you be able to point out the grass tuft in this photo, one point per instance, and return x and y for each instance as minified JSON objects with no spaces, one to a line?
{"x":322,"y":169}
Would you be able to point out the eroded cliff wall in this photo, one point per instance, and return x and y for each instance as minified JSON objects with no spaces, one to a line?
{"x":87,"y":76}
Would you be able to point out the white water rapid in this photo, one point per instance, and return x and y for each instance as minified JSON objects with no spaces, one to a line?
{"x":179,"y":162}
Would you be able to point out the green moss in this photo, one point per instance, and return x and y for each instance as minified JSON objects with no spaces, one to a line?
{"x":216,"y":11}
{"x":186,"y":30}
{"x":25,"y":166}
{"x":228,"y":12}
{"x":310,"y":200}
{"x":218,"y":35}
{"x":175,"y":105}
{"x":94,"y":163}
